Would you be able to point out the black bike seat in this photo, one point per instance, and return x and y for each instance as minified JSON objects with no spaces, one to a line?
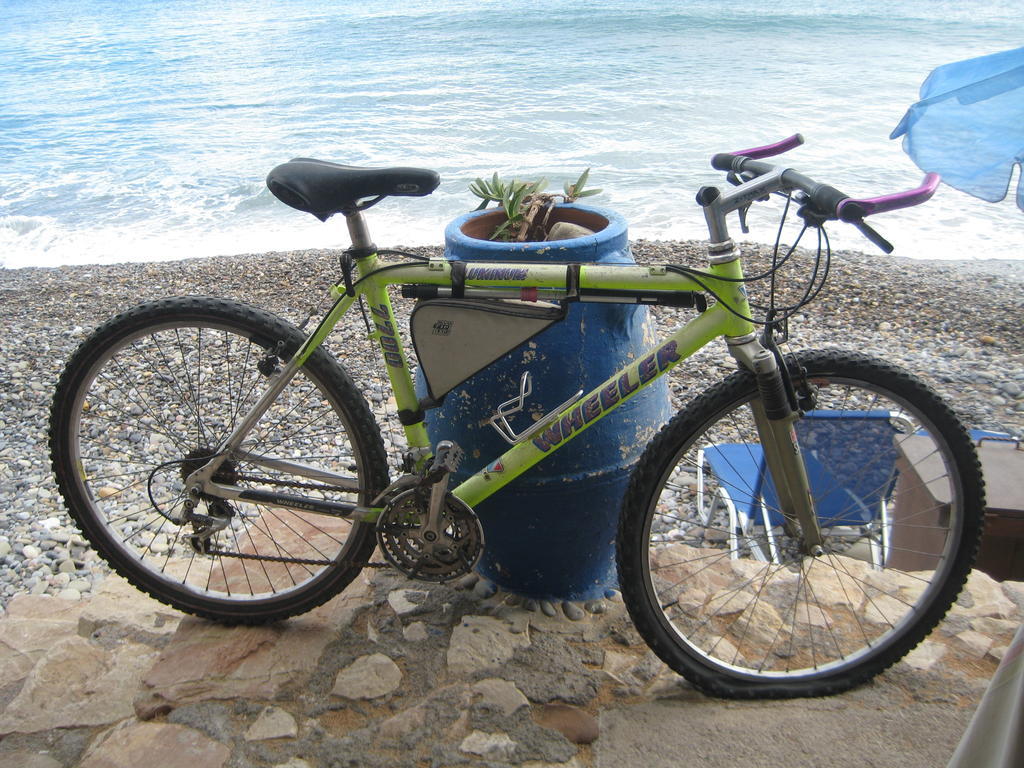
{"x":324,"y":189}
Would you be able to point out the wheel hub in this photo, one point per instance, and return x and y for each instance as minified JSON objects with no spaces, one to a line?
{"x":226,"y":473}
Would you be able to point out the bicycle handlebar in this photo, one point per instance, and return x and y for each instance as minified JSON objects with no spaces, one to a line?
{"x":825,"y":200}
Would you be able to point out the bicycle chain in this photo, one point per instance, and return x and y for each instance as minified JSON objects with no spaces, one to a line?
{"x":287,"y":483}
{"x":296,"y":560}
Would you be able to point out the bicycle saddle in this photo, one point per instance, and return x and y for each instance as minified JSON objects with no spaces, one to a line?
{"x":324,"y":189}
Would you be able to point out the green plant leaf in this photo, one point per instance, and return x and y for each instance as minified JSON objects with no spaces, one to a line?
{"x":514,"y":201}
{"x":488,"y":190}
{"x":501,"y":230}
{"x":581,"y":182}
{"x":574,"y":191}
{"x":521,"y":194}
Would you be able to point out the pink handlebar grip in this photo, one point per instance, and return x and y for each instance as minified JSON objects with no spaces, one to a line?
{"x":872,"y":205}
{"x":769,"y":150}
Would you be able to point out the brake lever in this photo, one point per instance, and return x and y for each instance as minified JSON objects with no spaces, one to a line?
{"x":871,"y":234}
{"x":742,"y":213}
{"x":736,"y":179}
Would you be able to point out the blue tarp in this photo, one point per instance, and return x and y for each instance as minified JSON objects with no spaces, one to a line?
{"x":969,"y":124}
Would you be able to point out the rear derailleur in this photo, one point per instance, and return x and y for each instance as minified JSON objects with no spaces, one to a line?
{"x":426,"y":532}
{"x":206,"y":526}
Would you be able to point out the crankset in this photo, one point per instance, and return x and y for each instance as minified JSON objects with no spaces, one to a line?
{"x":426,"y":532}
{"x":422,"y":554}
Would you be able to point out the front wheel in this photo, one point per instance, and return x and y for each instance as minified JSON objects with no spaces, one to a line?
{"x":726,"y":596}
{"x":149,"y":397}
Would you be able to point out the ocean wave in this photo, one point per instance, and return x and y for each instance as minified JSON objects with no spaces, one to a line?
{"x":25,"y":225}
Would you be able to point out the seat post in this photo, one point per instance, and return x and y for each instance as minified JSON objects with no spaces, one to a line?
{"x":359,"y":233}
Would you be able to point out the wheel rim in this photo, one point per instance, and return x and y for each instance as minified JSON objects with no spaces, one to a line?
{"x":746,"y":602}
{"x":150,"y":408}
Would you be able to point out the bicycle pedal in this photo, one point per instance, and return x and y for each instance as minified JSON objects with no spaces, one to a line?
{"x":446,"y":460}
{"x":454,"y":458}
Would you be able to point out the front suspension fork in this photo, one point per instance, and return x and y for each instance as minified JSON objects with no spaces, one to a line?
{"x":775,"y":419}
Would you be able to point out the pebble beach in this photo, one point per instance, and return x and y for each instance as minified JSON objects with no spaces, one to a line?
{"x":957,"y":324}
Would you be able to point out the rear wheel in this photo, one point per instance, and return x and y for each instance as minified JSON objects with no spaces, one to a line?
{"x":725,"y":595}
{"x":149,"y":397}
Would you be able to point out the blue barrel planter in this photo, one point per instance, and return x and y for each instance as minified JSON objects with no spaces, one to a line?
{"x":550,"y":534}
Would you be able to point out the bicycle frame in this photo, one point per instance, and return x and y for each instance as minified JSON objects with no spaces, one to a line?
{"x":615,"y":283}
{"x":505,"y":280}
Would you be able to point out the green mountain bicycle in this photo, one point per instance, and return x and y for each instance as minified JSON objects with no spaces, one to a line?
{"x":792,"y":531}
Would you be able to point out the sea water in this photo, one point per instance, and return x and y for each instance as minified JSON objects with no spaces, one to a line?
{"x":144,"y":130}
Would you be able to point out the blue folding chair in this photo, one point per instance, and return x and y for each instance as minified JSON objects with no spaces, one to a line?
{"x":739,"y":471}
{"x":850,"y":458}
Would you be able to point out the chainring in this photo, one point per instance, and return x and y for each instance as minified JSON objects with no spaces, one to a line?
{"x":401,"y":537}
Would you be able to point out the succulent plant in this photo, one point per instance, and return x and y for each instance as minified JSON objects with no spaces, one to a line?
{"x":523,"y":202}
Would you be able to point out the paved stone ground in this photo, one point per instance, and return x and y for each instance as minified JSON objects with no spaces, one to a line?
{"x":397,"y":673}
